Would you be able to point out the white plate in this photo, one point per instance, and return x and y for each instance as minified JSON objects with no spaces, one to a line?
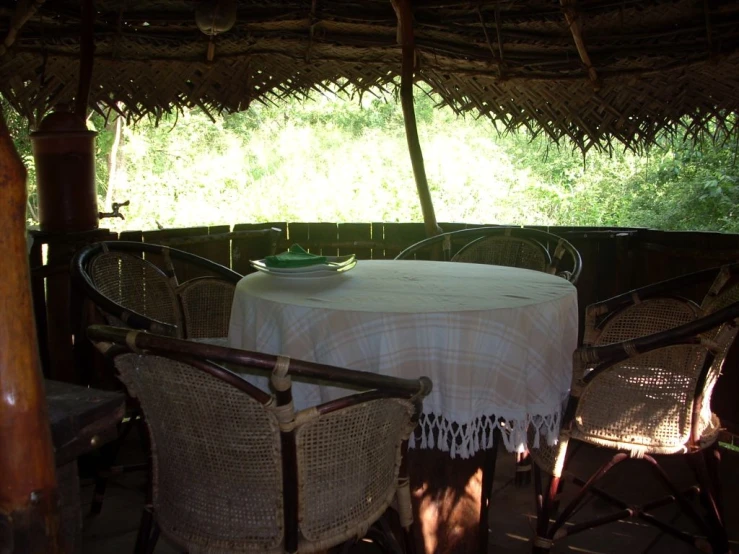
{"x":333,"y":264}
{"x":308,"y":272}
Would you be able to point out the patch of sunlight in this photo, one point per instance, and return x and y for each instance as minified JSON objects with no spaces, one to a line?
{"x":578,"y":549}
{"x":517,"y":537}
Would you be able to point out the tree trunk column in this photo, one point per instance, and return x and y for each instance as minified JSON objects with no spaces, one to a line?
{"x":408,"y":43}
{"x":29,"y":521}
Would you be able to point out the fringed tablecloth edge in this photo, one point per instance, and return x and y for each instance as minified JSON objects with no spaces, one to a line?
{"x":466,"y":439}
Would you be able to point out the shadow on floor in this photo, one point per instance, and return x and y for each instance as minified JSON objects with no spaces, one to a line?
{"x":512,"y":517}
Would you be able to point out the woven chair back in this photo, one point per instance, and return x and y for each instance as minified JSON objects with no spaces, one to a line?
{"x":217,"y":474}
{"x":206,"y":307}
{"x":507,"y":251}
{"x":135,"y":284}
{"x":507,"y":246}
{"x":645,"y":318}
{"x":724,"y":292}
{"x":647,"y":399}
{"x":348,"y":463}
{"x":661,"y":399}
{"x":237,"y":469}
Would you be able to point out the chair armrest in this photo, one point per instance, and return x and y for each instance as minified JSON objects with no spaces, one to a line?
{"x":686,"y":333}
{"x":595,"y":313}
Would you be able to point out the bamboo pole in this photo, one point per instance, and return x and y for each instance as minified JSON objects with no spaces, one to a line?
{"x":573,"y":22}
{"x":87,"y":52}
{"x":29,"y":521}
{"x":408,"y":43}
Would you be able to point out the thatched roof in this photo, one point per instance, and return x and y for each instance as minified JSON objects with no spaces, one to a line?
{"x":593,"y":70}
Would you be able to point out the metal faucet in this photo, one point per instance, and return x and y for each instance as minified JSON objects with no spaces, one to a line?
{"x":116,"y":206}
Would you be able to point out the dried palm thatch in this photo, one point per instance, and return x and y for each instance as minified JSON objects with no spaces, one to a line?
{"x":592,"y":70}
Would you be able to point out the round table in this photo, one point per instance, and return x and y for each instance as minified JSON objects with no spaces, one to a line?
{"x":496,"y":341}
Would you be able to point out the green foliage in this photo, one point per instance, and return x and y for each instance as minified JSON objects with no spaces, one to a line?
{"x":20,"y":133}
{"x":333,"y":158}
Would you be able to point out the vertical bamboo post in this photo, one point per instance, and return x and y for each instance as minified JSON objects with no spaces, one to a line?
{"x":29,"y":521}
{"x":87,"y":52}
{"x":408,"y":44}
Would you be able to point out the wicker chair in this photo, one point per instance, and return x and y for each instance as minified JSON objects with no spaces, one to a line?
{"x":236,"y":469}
{"x":642,"y":386}
{"x":136,"y":285}
{"x":507,"y":246}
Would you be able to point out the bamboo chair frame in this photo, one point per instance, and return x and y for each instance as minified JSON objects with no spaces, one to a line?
{"x":705,"y":338}
{"x":206,"y":359}
{"x":511,"y":246}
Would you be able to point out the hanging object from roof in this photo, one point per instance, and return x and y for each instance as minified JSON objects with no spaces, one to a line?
{"x":214,"y":17}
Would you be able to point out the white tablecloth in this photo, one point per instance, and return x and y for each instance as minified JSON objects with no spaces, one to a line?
{"x":497,"y":342}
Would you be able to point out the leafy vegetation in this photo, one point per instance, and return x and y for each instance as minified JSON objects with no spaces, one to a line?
{"x":337,"y":159}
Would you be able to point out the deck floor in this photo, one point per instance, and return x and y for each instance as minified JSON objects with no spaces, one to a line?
{"x":511,"y":512}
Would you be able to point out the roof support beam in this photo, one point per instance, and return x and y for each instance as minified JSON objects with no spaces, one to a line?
{"x":406,"y":38}
{"x":29,"y":516}
{"x":574,"y":23}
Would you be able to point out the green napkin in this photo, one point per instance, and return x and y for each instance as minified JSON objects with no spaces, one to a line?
{"x":294,"y":257}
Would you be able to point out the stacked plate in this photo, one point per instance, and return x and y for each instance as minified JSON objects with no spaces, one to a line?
{"x":334,"y":265}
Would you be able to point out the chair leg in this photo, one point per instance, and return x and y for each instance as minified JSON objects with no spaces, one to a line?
{"x":547,"y":503}
{"x":687,"y":508}
{"x":709,"y":495}
{"x":148,"y":534}
{"x":542,"y":543}
{"x":105,"y":470}
{"x":712,"y":457}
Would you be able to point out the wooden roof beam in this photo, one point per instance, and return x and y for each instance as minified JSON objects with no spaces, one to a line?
{"x":575,"y":25}
{"x":23,"y":12}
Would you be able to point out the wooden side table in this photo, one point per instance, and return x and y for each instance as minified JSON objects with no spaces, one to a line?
{"x":82,"y":420}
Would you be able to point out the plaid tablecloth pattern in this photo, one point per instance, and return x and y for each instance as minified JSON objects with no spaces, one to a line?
{"x":497,"y":342}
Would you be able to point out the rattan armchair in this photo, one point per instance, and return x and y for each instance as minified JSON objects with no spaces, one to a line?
{"x":237,"y":469}
{"x":642,"y":387}
{"x":507,"y":246}
{"x":137,"y":285}
{"x":161,"y":289}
